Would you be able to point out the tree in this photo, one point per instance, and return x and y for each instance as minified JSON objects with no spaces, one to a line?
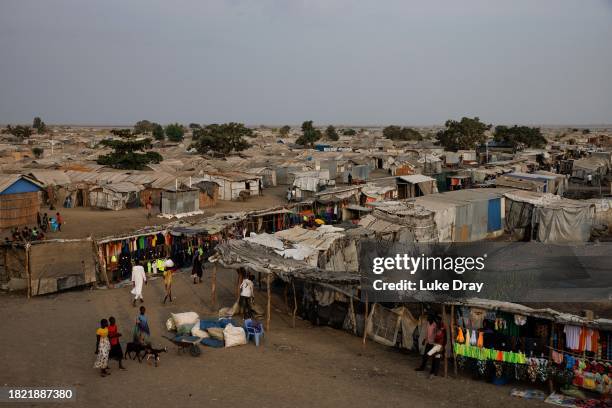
{"x":175,"y":132}
{"x":401,"y":133}
{"x":37,"y":122}
{"x":330,"y":133}
{"x":309,"y":134}
{"x":158,"y":132}
{"x":586,"y":131}
{"x":464,"y":134}
{"x":284,"y":131}
{"x":42,"y":128}
{"x":21,"y":132}
{"x":194,"y":126}
{"x":144,"y":126}
{"x":129,"y":152}
{"x":221,"y":139}
{"x":349,"y":132}
{"x":519,"y":136}
{"x":38,"y":152}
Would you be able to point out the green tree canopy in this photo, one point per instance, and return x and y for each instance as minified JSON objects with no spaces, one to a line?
{"x":309,"y":134}
{"x":464,"y":134}
{"x":128,"y":152}
{"x":158,"y":132}
{"x":221,"y":139}
{"x":175,"y":132}
{"x":39,"y":125}
{"x":19,"y":131}
{"x":519,"y":136}
{"x":38,"y":152}
{"x":195,"y":126}
{"x":144,"y":126}
{"x":349,"y":132}
{"x":401,"y":133}
{"x":284,"y":131}
{"x":330,"y":133}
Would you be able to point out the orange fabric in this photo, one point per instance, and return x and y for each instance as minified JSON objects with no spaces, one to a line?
{"x":595,"y":341}
{"x":480,"y":342}
{"x":582,"y":342}
{"x":460,"y":337}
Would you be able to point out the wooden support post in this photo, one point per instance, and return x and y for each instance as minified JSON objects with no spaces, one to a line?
{"x":365,"y":319}
{"x":452,"y":322}
{"x":294,"y":301}
{"x":353,"y":317}
{"x":551,"y":385}
{"x":213,"y":286}
{"x":27,"y":269}
{"x":445,"y":341}
{"x":269,"y":305}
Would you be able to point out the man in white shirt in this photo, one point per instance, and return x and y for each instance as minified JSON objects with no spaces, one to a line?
{"x":246,"y":295}
{"x":139,"y":279}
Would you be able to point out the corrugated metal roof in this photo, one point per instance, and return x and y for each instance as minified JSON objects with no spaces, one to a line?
{"x":416,"y":178}
{"x":7,"y":180}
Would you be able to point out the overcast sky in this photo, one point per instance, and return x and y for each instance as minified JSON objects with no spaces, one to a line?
{"x":286,"y":61}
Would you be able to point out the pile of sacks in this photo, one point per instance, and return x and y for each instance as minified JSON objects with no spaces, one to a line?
{"x":213,"y":333}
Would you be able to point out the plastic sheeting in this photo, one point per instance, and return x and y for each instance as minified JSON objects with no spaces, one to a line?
{"x":564,"y":223}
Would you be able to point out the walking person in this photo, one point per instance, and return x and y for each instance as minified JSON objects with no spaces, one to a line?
{"x":437,"y":351}
{"x":60,"y":221}
{"x":169,"y":270}
{"x":246,"y":294}
{"x":196,"y":271}
{"x":116,"y":353}
{"x":102,"y":348}
{"x":139,"y":279}
{"x":149,"y":207}
{"x":141,"y":333}
{"x":429,"y":341}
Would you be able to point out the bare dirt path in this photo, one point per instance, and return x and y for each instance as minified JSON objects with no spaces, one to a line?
{"x":51,"y":340}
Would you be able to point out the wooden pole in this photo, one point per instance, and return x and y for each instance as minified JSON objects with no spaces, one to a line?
{"x":27,"y":269}
{"x":452,"y":322}
{"x":353,"y":317}
{"x":213,"y":286}
{"x":269,"y":305}
{"x":445,"y":341}
{"x":551,"y":386}
{"x":365,"y":320}
{"x":294,"y":302}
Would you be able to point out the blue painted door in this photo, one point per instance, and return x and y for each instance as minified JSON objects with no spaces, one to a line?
{"x":494,"y":217}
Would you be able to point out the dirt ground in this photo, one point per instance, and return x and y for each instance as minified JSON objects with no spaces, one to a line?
{"x":82,"y":222}
{"x":50,"y":341}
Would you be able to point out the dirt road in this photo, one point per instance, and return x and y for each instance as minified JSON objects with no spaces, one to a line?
{"x":50,"y":340}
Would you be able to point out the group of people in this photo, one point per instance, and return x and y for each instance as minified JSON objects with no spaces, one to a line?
{"x":139,"y":280}
{"x":26,"y":234}
{"x":108,"y":346}
{"x":44,"y":221}
{"x":434,"y":342}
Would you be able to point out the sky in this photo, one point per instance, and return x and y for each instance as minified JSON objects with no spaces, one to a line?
{"x":275,"y":62}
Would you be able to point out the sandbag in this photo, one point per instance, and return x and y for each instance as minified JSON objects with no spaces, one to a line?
{"x":234,"y":336}
{"x":170,"y":325}
{"x":198,"y":332}
{"x":206,"y":324}
{"x":210,"y":342}
{"x":184,"y":329}
{"x":216,"y":333}
{"x":181,"y":319}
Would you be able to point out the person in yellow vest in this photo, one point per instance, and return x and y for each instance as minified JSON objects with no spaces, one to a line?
{"x":168,"y":271}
